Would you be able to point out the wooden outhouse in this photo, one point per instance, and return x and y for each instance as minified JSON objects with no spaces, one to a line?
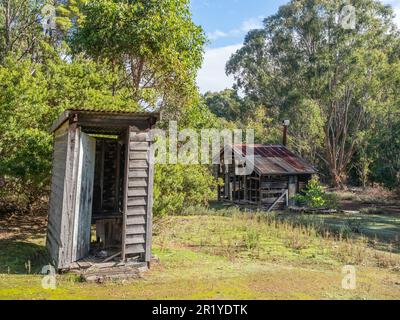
{"x":278,"y":175}
{"x":102,"y":187}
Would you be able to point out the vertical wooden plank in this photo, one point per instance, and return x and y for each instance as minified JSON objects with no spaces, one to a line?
{"x":84,"y":197}
{"x":226,"y":183}
{"x":56,"y":202}
{"x":292,"y":183}
{"x":70,"y":190}
{"x":78,"y":181}
{"x":149,"y":226}
{"x":230,"y":184}
{"x":125,"y":201}
{"x":103,"y":146}
{"x":259,"y":190}
{"x":218,"y":177}
{"x":118,"y":177}
{"x":245,"y":197}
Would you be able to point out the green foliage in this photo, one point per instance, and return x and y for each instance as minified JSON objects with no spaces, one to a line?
{"x":385,"y":151}
{"x":177,"y":186}
{"x":315,"y":197}
{"x":307,"y":129}
{"x":20,"y":31}
{"x":153,"y":45}
{"x":104,"y":55}
{"x":31,"y":97}
{"x":226,"y":104}
{"x":331,"y":82}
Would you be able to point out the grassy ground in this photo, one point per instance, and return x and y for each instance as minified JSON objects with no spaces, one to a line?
{"x":220,"y":254}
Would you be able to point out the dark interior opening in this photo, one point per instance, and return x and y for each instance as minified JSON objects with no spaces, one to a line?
{"x":107,"y":208}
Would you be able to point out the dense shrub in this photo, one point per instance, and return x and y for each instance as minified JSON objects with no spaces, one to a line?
{"x":314,"y":196}
{"x":177,"y":187}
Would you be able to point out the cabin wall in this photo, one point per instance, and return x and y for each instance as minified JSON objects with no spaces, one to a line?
{"x":138,"y":197}
{"x":259,"y":190}
{"x":272,"y":189}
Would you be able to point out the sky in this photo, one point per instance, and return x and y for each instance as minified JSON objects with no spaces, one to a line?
{"x":226,"y":23}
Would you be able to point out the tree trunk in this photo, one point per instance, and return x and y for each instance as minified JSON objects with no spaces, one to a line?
{"x":339,"y":179}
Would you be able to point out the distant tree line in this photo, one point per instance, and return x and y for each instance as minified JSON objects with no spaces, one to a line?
{"x":339,"y":87}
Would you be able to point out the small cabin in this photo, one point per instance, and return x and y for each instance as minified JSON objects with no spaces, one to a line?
{"x":101,"y":188}
{"x":278,"y":175}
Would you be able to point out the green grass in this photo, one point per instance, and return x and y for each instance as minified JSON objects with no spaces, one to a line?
{"x":223,"y":254}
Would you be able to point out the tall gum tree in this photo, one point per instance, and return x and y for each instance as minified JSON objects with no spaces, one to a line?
{"x":152,"y":45}
{"x":305,"y":54}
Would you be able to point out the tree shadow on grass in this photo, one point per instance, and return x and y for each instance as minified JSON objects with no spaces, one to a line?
{"x":381,"y":230}
{"x":21,"y":251}
{"x":18,"y":257}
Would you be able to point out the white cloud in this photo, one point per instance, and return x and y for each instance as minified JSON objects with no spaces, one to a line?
{"x":212,"y":75}
{"x":217,"y":34}
{"x":246,"y":26}
{"x":251,"y":24}
{"x":396,"y":8}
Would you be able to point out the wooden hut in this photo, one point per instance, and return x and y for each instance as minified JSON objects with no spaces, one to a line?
{"x":102,"y":186}
{"x":277,"y":176}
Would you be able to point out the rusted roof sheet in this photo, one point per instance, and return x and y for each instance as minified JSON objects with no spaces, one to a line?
{"x":275,"y":159}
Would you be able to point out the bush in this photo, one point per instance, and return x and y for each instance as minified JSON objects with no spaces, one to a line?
{"x":177,"y":187}
{"x":31,"y":97}
{"x":315,"y":197}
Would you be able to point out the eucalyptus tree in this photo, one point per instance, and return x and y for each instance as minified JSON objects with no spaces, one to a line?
{"x":308,"y":54}
{"x":153,"y":46}
{"x":20,"y":28}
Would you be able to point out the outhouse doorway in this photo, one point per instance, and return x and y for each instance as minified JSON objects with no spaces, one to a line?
{"x":99,"y":208}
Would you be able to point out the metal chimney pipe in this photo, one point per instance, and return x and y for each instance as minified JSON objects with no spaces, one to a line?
{"x":286,"y":124}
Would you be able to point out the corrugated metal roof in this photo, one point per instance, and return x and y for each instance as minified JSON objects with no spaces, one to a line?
{"x":100,"y":113}
{"x":114,"y":111}
{"x":275,"y":159}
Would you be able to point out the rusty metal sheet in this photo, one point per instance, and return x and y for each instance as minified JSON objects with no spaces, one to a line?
{"x":276,"y":159}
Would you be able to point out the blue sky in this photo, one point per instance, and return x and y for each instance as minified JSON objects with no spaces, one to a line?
{"x":226,"y":22}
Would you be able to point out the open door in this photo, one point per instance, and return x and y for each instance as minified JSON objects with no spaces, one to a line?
{"x":84,"y":197}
